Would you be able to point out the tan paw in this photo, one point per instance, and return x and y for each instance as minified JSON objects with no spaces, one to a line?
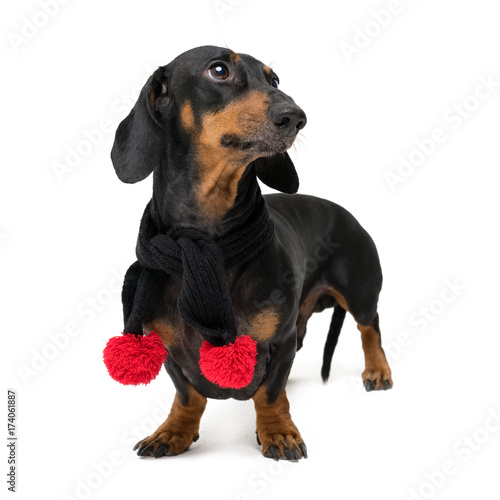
{"x":281,"y":442}
{"x":377,"y":380}
{"x":165,"y":443}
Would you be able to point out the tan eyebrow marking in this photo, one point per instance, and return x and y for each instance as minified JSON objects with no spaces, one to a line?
{"x":187,"y":116}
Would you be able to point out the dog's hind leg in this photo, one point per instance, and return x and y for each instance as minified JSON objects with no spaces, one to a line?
{"x":377,"y":374}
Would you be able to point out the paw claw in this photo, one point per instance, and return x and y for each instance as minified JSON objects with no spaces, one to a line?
{"x":162,"y":451}
{"x":272,"y":452}
{"x":292,"y":454}
{"x":145,"y":450}
{"x":370,"y":385}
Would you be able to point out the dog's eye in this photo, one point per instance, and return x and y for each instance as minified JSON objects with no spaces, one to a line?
{"x":218,"y":71}
{"x":274,"y":83}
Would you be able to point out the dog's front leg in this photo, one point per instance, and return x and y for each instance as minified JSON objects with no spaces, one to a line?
{"x":276,"y":432}
{"x":180,"y":429}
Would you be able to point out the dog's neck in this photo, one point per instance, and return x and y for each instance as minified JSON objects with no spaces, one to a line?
{"x":176,"y":200}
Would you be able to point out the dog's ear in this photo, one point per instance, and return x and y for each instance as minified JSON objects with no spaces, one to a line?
{"x":278,"y":172}
{"x":138,"y":140}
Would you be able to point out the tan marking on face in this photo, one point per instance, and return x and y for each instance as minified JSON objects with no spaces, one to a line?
{"x":234,"y":58}
{"x":221,"y":168}
{"x":267,"y":69}
{"x":264,"y":325}
{"x":242,"y":118}
{"x":187,"y":116}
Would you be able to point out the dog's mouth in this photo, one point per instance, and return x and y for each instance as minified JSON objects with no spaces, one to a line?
{"x":265,"y":144}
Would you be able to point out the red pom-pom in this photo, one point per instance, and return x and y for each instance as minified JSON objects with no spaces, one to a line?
{"x":229,"y":366}
{"x":133,"y":360}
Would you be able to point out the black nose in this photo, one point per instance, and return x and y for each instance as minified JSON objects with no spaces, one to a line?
{"x":288,"y":118}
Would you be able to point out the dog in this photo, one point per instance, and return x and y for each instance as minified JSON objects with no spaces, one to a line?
{"x":209,"y":125}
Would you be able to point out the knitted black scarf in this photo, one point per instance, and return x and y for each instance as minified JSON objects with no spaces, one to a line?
{"x":204,"y":301}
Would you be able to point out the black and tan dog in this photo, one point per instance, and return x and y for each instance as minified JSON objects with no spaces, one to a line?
{"x":208,"y":125}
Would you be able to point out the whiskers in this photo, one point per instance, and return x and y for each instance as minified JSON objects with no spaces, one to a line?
{"x":299,"y":142}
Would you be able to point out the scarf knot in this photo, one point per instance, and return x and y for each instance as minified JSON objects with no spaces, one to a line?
{"x":204,"y":300}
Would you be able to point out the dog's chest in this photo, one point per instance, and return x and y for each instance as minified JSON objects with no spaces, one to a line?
{"x":254,"y":316}
{"x":175,"y":334}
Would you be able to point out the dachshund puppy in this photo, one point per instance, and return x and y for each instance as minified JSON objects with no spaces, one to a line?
{"x":209,"y":125}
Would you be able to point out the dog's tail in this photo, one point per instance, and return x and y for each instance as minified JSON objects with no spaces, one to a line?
{"x":331,"y":340}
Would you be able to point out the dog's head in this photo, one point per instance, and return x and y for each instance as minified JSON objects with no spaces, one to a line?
{"x":221,"y":111}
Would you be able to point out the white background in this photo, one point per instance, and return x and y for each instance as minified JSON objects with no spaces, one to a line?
{"x":64,"y":238}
